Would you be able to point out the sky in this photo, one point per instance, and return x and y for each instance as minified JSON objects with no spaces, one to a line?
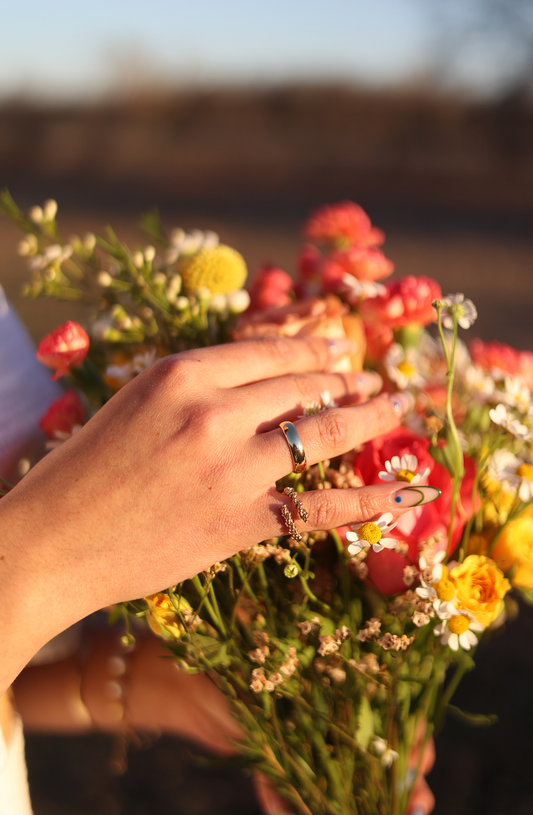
{"x":67,"y":50}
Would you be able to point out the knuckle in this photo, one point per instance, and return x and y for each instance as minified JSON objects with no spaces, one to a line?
{"x":368,"y":505}
{"x":317,"y":349}
{"x":332,"y":429}
{"x":305,"y":387}
{"x":382,"y":415}
{"x":324,"y":515}
{"x":277,"y":347}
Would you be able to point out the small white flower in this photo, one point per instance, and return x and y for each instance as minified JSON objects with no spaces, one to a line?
{"x":500,"y":416}
{"x":509,"y":469}
{"x":479,"y":384}
{"x":383,"y":749}
{"x":361,"y":289}
{"x":458,"y":631}
{"x":327,"y":400}
{"x":238,"y":301}
{"x":516,"y":394}
{"x":54,"y":254}
{"x":403,"y":469}
{"x":371,"y":534}
{"x":464,"y":309}
{"x":318,"y":407}
{"x":403,"y":367}
{"x":435,"y":586}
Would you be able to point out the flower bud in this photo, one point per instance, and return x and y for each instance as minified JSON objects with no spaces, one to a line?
{"x":182,"y":303}
{"x":104,"y":279}
{"x":291,"y":570}
{"x":238,"y":301}
{"x":64,"y":348}
{"x":36,"y":214}
{"x":138,"y":259}
{"x":50,"y":209}
{"x":217,"y":304}
{"x":160,"y":279}
{"x":63,"y":415}
{"x":89,"y":242}
{"x":149,"y":253}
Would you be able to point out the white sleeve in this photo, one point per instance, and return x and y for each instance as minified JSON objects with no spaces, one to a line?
{"x":14,"y":793}
{"x":26,"y":390}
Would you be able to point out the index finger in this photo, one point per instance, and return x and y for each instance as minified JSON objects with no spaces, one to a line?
{"x":248,"y":361}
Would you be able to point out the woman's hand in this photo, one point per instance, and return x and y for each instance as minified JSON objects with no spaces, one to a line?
{"x":174,"y":473}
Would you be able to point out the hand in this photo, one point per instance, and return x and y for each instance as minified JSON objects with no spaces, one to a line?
{"x":174,"y":473}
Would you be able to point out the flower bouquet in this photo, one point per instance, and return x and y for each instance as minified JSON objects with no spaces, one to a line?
{"x":338,"y":651}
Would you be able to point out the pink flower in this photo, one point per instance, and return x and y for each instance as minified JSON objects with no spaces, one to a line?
{"x":407,"y":301}
{"x":379,"y":338}
{"x":363,"y":262}
{"x":496,"y":356}
{"x":64,"y":348}
{"x":271,"y":287}
{"x":344,"y":224}
{"x":63,"y":415}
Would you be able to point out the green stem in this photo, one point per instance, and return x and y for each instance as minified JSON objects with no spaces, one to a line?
{"x":310,"y":594}
{"x":266,"y":596}
{"x":217,"y":610}
{"x":205,"y":599}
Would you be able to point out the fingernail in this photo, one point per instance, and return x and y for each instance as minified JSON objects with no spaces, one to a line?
{"x":402,"y":402}
{"x":414,"y":497}
{"x":370,"y":381}
{"x":342,"y":346}
{"x":419,"y":810}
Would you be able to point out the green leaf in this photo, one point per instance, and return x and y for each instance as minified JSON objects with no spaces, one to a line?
{"x":473,"y":719}
{"x":365,"y":724}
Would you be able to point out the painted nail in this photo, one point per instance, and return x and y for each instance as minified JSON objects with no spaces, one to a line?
{"x":342,"y":346}
{"x":409,"y":497}
{"x":370,"y":381}
{"x":402,"y":402}
{"x":419,"y":810}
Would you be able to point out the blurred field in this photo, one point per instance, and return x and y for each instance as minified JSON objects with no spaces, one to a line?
{"x":450,"y":182}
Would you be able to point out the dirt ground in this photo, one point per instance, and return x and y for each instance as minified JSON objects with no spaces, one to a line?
{"x":484,"y":251}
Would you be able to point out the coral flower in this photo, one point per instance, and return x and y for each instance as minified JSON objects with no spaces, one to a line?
{"x":342,"y":225}
{"x":65,"y":348}
{"x":270,"y":288}
{"x":407,"y":301}
{"x":63,"y":415}
{"x":498,"y":358}
{"x":363,"y":262}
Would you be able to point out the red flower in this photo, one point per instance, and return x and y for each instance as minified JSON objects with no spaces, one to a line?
{"x":379,"y":338}
{"x":271,"y":287}
{"x":407,"y":301}
{"x":496,"y":356}
{"x":343,"y":224}
{"x":371,"y":460}
{"x":363,"y":262}
{"x":64,"y":348}
{"x":63,"y":415}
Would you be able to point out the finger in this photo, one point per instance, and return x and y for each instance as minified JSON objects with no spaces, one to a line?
{"x":287,"y":397}
{"x":423,"y":800}
{"x":328,"y":509}
{"x":240,"y":363}
{"x":330,"y":433}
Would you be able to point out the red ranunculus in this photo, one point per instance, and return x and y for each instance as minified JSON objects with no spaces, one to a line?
{"x":363,"y":262}
{"x":407,"y":301}
{"x":63,"y":415}
{"x":65,"y":348}
{"x":371,"y":459}
{"x":344,"y":224}
{"x":271,"y":287}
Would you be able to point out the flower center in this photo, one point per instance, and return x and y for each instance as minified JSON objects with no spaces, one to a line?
{"x":369,"y":532}
{"x":407,"y":369}
{"x":459,"y":624}
{"x":525,"y":471}
{"x":445,"y":589}
{"x":404,"y":475}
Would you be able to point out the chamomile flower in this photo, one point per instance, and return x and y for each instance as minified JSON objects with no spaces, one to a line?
{"x":436,"y":587}
{"x":458,"y":631}
{"x":464,"y":309}
{"x":403,"y":468}
{"x":315,"y":407}
{"x":516,"y":394}
{"x":403,"y":367}
{"x":371,"y":533}
{"x":479,"y":384}
{"x":507,"y":468}
{"x":500,"y":416}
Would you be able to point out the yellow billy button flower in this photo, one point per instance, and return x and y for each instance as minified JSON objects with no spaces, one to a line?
{"x":371,"y":533}
{"x":162,"y":616}
{"x":220,"y":269}
{"x":514,"y":549}
{"x":480,"y":588}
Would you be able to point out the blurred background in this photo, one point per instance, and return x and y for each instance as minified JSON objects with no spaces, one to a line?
{"x":241,"y":118}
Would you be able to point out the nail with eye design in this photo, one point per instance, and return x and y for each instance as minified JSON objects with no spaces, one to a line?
{"x":409,"y":497}
{"x":370,"y":381}
{"x":402,"y":402}
{"x":342,"y":347}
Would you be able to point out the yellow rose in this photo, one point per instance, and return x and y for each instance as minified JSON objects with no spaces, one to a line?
{"x":480,"y":587}
{"x":514,"y":549}
{"x":162,"y":616}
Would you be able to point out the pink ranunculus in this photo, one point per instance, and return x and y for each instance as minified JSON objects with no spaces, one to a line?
{"x":407,"y":301}
{"x":271,"y":287}
{"x":63,"y":415}
{"x":341,"y":225}
{"x":65,"y":348}
{"x":363,"y":262}
{"x":496,"y":356}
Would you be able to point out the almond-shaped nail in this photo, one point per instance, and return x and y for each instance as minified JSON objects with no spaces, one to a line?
{"x":402,"y":402}
{"x":409,"y":497}
{"x":342,"y":346}
{"x":370,"y":382}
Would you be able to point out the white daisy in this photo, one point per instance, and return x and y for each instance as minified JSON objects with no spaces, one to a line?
{"x":403,"y":469}
{"x":516,"y":394}
{"x":436,"y":587}
{"x":315,"y":407}
{"x":459,"y":631}
{"x":403,"y":367}
{"x":465,"y":311}
{"x":327,"y":400}
{"x":500,"y":416}
{"x":479,"y":384}
{"x":507,"y":468}
{"x":371,"y":534}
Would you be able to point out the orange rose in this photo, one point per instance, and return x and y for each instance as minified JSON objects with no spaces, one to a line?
{"x":327,"y":317}
{"x":480,"y":587}
{"x":514,"y":549}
